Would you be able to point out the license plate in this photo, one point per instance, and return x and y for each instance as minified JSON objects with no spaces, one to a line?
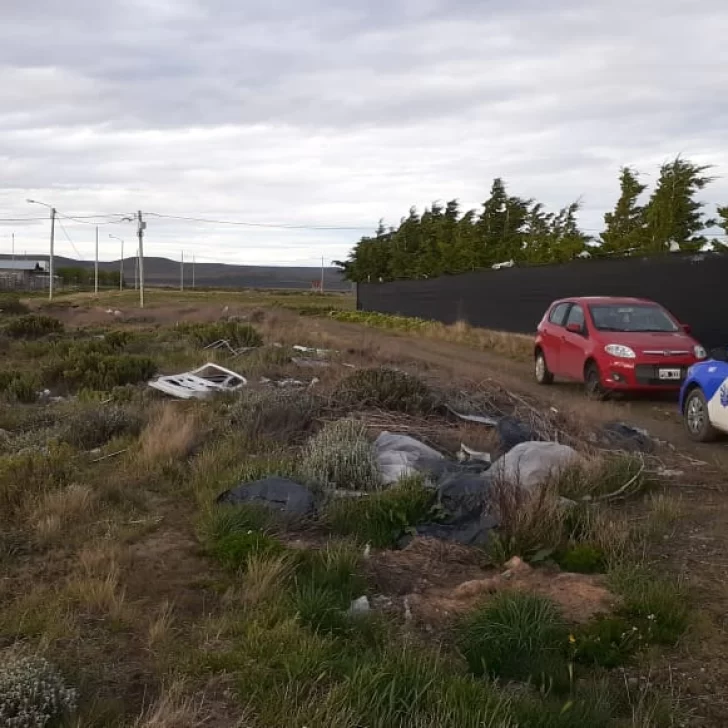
{"x":669,"y":373}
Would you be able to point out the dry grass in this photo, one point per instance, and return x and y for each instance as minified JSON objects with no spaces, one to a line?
{"x":264,"y":577}
{"x":528,"y":522}
{"x":60,"y":509}
{"x":512,"y":346}
{"x":161,"y":627}
{"x":172,"y":709}
{"x":171,"y":434}
{"x":101,"y":595}
{"x":664,"y":511}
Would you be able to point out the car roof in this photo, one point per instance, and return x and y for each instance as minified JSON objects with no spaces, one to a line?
{"x":618,"y":300}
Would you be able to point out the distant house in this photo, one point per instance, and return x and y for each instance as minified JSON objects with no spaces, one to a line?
{"x":23,"y":274}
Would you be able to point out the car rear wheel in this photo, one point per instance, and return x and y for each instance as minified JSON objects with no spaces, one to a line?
{"x":541,"y":370}
{"x":697,"y":418}
{"x":593,"y":382}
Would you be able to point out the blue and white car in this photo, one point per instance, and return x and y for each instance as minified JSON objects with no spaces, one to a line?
{"x":704,"y":398}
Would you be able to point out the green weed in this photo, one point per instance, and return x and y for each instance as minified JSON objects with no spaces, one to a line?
{"x":517,"y":636}
{"x":380,"y":519}
{"x":237,"y":334}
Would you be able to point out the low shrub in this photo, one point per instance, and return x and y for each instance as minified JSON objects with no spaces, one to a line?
{"x":26,"y":475}
{"x":33,"y":694}
{"x":340,"y":456}
{"x":238,"y":334}
{"x":33,"y":326}
{"x":283,"y":416}
{"x":380,"y":519}
{"x":517,"y":636}
{"x":582,"y":558}
{"x":233,"y":550}
{"x":19,"y":386}
{"x":386,"y":389}
{"x":11,"y":305}
{"x":88,"y":369}
{"x":92,"y":425}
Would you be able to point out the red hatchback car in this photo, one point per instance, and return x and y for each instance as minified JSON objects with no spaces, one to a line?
{"x":614,"y":344}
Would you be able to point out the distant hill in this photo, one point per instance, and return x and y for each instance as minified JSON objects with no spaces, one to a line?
{"x":165,"y":272}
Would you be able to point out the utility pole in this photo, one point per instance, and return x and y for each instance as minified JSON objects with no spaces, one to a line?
{"x":193,"y":270}
{"x":96,"y":264}
{"x":51,"y":265}
{"x":136,"y":269}
{"x":140,"y":233}
{"x":13,"y":248}
{"x":322,"y":274}
{"x":182,"y":272}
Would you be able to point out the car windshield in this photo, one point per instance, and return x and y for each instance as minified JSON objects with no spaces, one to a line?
{"x":635,"y":317}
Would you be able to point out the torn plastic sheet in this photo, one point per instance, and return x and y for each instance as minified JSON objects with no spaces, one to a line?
{"x":199,"y":383}
{"x":399,"y":456}
{"x":311,"y":363}
{"x":481,"y":419}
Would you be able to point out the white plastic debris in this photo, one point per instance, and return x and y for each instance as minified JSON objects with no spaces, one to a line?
{"x":400,"y":455}
{"x":359,"y":606}
{"x":200,"y":383}
{"x":506,"y":264}
{"x":310,"y":350}
{"x":480,"y":419}
{"x":467,"y":453}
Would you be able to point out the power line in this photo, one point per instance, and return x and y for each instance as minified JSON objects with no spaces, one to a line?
{"x":257,"y":224}
{"x":78,"y":255}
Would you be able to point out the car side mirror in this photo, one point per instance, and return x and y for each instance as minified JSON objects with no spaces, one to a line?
{"x":687,"y":328}
{"x":575,"y":328}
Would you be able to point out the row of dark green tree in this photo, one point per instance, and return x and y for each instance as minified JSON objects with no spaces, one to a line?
{"x":442,"y":240}
{"x":84,"y":277}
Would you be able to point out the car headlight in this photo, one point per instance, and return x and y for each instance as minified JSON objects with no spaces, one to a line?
{"x":620,"y":351}
{"x":700,"y":352}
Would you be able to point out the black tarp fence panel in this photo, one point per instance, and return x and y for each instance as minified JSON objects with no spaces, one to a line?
{"x":693,"y":287}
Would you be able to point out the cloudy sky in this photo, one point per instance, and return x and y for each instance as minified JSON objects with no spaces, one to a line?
{"x":323,"y":114}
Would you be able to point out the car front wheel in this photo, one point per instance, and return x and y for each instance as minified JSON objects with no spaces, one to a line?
{"x":593,"y":382}
{"x":697,"y":418}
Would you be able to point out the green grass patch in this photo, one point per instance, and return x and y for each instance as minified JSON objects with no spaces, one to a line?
{"x":381,"y":518}
{"x":19,"y":386}
{"x":11,"y":305}
{"x":32,"y":326}
{"x":582,"y":558}
{"x":517,"y":636}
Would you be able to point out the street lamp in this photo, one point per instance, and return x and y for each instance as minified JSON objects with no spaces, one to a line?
{"x":121,"y":272}
{"x":51,"y":266}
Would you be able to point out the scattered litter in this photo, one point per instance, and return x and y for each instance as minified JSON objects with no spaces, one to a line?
{"x":367,"y":551}
{"x":667,"y":473}
{"x":359,"y":607}
{"x":530,"y":464}
{"x":507,"y":264}
{"x":481,"y":419}
{"x":309,"y":350}
{"x":466,"y":454}
{"x":199,"y":383}
{"x":276,"y":493}
{"x":283,"y":383}
{"x":627,"y":437}
{"x":400,"y":455}
{"x":225,"y":344}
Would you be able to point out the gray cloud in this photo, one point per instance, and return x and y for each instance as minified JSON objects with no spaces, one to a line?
{"x":324,"y":113}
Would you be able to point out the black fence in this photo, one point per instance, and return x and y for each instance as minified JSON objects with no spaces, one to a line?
{"x":514,"y":299}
